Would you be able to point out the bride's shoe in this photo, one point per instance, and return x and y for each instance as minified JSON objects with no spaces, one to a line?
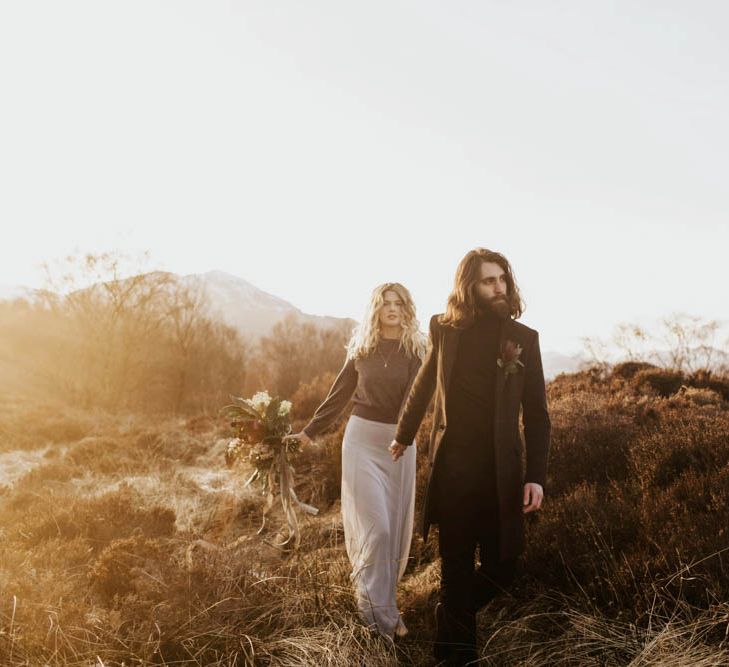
{"x":401,"y":631}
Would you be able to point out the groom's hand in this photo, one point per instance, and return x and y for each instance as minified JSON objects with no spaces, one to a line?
{"x":533,"y":496}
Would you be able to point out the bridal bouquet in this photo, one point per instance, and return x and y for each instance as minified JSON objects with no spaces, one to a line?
{"x":260,"y":425}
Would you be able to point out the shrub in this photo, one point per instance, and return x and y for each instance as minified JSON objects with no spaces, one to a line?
{"x":55,"y":471}
{"x":30,"y":426}
{"x":106,"y":455}
{"x":114,"y":515}
{"x":131,"y":565}
{"x":319,"y":470}
{"x":176,"y":446}
{"x":565,"y":384}
{"x":591,"y":437}
{"x":310,"y":395}
{"x":628,"y":369}
{"x":685,"y":440}
{"x":579,"y":542}
{"x":703,"y":379}
{"x":662,"y":381}
{"x":698,"y":396}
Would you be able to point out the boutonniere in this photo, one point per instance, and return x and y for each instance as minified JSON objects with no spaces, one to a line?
{"x":509,"y":360}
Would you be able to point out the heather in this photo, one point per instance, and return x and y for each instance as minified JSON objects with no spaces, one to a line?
{"x":126,"y":540}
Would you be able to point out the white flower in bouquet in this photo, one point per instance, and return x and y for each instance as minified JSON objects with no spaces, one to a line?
{"x":284,"y":408}
{"x":260,"y":401}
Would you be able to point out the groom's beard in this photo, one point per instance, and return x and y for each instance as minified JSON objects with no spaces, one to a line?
{"x":498,"y":306}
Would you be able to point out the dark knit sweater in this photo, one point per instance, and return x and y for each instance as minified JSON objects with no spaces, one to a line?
{"x":378,"y":392}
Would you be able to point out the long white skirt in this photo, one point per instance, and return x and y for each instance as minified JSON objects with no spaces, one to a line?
{"x":378,"y":501}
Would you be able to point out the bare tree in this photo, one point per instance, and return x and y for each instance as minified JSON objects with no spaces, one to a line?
{"x":184,"y":312}
{"x":689,"y":343}
{"x":297,"y":352}
{"x":139,"y":340}
{"x":686,"y":343}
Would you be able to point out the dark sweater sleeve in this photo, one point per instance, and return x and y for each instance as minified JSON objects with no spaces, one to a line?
{"x":414,"y":364}
{"x":337,"y":399}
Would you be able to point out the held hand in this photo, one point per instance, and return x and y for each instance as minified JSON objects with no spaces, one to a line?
{"x":301,"y":437}
{"x":533,"y":496}
{"x":397,"y":450}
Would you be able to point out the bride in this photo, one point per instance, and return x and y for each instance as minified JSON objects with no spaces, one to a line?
{"x":378,"y":496}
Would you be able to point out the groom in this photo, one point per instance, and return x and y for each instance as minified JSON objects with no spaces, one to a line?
{"x":483,"y":366}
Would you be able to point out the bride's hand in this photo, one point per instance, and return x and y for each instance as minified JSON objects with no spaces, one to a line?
{"x":396,"y":450}
{"x":301,"y":437}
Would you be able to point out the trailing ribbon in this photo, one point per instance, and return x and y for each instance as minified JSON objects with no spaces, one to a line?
{"x":289,"y":500}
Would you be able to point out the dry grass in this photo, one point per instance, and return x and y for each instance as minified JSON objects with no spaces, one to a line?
{"x":126,"y":541}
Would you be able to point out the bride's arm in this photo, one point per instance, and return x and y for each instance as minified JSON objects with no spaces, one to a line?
{"x":339,"y":394}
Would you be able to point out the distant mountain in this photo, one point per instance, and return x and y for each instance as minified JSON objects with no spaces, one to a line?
{"x":555,"y":363}
{"x":249,"y":309}
{"x":229,"y":298}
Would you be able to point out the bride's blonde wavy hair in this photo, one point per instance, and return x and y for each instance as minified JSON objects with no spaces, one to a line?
{"x":366,"y":335}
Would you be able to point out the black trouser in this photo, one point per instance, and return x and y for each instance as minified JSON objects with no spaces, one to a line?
{"x":464,"y":589}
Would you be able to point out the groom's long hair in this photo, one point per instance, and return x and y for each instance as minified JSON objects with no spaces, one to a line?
{"x":462,"y":305}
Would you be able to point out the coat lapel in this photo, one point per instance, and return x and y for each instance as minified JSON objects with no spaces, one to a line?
{"x":500,"y":372}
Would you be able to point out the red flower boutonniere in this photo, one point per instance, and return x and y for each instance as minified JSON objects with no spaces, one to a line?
{"x":509,"y":361}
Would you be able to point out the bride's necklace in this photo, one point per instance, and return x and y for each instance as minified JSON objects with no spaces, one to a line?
{"x":394,"y":347}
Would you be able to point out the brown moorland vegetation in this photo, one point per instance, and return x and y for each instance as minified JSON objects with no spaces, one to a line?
{"x":125,"y":540}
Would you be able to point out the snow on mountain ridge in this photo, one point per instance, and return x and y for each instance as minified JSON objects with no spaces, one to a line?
{"x":12,"y":292}
{"x":225,"y":288}
{"x":228,"y":293}
{"x":247,"y":308}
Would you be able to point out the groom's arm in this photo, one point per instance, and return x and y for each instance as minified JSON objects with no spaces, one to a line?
{"x":421,"y":391}
{"x":537,"y":425}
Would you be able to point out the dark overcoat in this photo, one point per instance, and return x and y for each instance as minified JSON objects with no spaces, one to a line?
{"x":522,"y":391}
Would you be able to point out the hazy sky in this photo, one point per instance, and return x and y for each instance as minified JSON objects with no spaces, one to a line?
{"x":317,"y":149}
